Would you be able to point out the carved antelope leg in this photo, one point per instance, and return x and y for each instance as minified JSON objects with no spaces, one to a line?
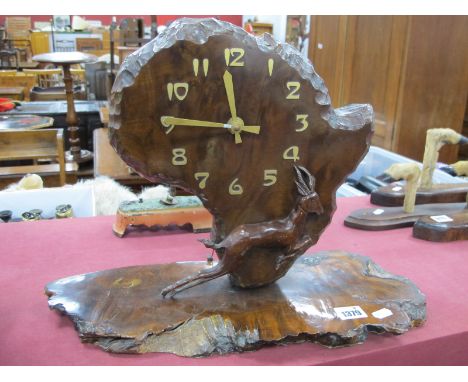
{"x":411,"y":173}
{"x":296,"y":251}
{"x":194,"y":280}
{"x":435,"y":139}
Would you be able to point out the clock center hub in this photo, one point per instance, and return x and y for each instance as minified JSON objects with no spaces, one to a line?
{"x":236,"y":125}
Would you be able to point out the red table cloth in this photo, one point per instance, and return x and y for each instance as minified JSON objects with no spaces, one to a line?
{"x":35,"y":253}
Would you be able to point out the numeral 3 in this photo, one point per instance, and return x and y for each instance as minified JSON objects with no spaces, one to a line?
{"x":303,"y":119}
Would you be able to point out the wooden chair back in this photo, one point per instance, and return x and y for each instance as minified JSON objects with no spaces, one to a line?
{"x":34,"y":145}
{"x":27,"y":81}
{"x":18,"y":33}
{"x":46,"y":78}
{"x":87,"y":44}
{"x":8,"y":73}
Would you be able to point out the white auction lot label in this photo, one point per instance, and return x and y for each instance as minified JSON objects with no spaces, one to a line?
{"x":350,"y":312}
{"x":382,"y":313}
{"x":442,"y":218}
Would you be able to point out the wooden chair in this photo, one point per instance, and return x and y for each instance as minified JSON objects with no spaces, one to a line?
{"x":87,"y":44}
{"x":18,"y":33}
{"x":8,"y":73}
{"x":34,"y":145}
{"x":46,"y":78}
{"x":50,"y":86}
{"x":18,"y":79}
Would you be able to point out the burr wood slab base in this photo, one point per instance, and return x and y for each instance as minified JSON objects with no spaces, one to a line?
{"x":122,"y":311}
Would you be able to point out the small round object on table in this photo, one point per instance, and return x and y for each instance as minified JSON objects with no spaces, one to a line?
{"x":63,"y":211}
{"x":5,"y":215}
{"x":28,"y":216}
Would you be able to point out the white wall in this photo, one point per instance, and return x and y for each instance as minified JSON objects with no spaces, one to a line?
{"x":279,"y":26}
{"x":278,"y":21}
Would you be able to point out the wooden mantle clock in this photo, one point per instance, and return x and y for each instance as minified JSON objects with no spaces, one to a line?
{"x":245,"y":124}
{"x":239,"y":121}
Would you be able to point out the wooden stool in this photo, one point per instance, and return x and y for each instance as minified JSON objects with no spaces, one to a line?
{"x":153,"y":212}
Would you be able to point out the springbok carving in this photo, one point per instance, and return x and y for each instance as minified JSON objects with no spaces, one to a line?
{"x":288,"y":233}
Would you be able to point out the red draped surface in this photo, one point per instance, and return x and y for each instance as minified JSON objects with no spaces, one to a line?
{"x":33,"y":254}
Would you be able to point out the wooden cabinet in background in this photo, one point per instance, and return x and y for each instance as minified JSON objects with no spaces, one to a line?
{"x":412,"y":69}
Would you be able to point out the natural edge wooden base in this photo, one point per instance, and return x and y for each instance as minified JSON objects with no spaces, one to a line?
{"x":385,"y":218}
{"x":122,"y":310}
{"x":456,"y":229}
{"x":394,"y":194}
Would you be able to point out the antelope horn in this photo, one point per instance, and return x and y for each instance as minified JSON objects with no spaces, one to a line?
{"x":301,"y":190}
{"x":300,"y":179}
{"x":306,"y":178}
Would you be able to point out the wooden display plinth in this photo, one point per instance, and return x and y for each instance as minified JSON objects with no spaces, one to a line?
{"x":332,"y":298}
{"x":454,"y":227}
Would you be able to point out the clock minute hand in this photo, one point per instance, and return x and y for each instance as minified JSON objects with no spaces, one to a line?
{"x":228,"y":85}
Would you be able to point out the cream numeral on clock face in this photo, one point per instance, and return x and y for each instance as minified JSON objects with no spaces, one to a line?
{"x":234,"y":56}
{"x":270,"y":66}
{"x":303,"y":119}
{"x":202,"y":178}
{"x":196,"y":63}
{"x":178,"y":157}
{"x":177,"y":89}
{"x":293,"y":87}
{"x":270,"y":177}
{"x":291,"y":153}
{"x":235,"y":188}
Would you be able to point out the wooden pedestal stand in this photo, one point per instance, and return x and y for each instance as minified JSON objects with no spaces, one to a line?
{"x":65,"y":60}
{"x":449,"y":227}
{"x":378,"y":219}
{"x":428,"y":192}
{"x":332,"y":298}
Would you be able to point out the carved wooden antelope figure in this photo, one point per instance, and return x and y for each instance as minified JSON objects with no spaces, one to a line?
{"x":288,"y":233}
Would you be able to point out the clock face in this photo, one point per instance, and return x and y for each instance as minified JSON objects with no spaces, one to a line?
{"x":227,"y":117}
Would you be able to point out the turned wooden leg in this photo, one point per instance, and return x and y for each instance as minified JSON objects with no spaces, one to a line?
{"x":75,"y":154}
{"x":199,"y":278}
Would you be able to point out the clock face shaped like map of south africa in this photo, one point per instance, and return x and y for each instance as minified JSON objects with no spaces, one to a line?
{"x":228,"y":116}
